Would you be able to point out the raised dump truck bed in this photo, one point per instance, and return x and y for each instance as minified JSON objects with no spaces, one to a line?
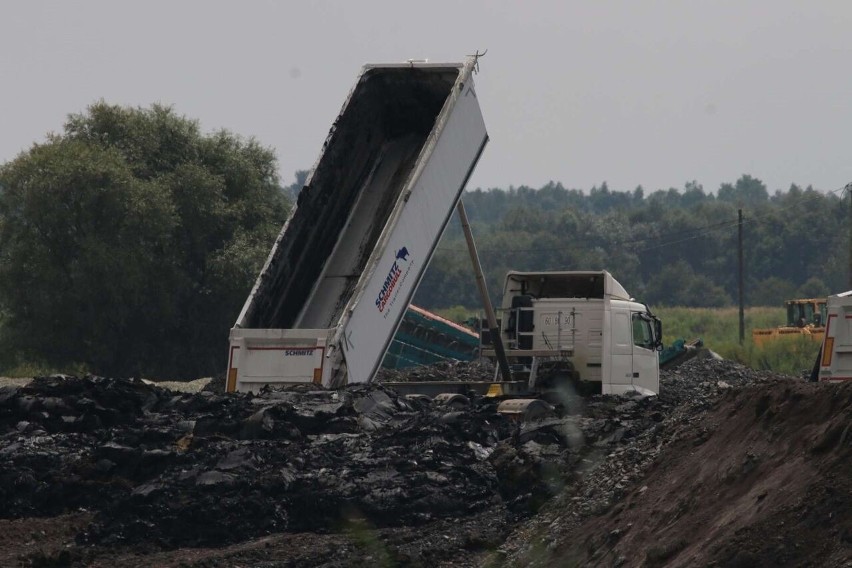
{"x":350,"y":256}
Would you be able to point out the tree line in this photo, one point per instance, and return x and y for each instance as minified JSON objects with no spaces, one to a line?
{"x":675,"y":247}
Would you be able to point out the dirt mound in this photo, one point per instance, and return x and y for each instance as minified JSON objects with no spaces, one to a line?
{"x":759,"y":478}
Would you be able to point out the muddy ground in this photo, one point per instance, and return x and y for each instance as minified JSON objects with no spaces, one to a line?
{"x":727,"y":467}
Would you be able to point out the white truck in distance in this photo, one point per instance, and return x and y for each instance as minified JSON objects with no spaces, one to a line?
{"x":580,"y":327}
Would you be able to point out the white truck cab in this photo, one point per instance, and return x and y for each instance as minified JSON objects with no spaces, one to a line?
{"x":586,"y":319}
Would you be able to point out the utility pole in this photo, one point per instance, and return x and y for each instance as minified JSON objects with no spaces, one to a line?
{"x":740,"y":251}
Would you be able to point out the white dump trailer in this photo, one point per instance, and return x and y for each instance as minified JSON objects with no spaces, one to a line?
{"x":835,"y":356}
{"x":350,"y":256}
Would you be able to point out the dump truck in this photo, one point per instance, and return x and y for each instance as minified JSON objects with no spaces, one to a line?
{"x":348,"y":259}
{"x":343,"y":270}
{"x":834,"y":362}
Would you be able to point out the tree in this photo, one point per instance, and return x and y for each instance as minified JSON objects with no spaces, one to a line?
{"x":693,"y":194}
{"x":747,"y":191}
{"x":678,"y":285}
{"x":130,"y":240}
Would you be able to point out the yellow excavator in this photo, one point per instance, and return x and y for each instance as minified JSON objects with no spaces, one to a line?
{"x":804,"y":317}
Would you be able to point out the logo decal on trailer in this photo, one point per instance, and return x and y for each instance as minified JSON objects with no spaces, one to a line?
{"x":394,"y":277}
{"x":300,"y":352}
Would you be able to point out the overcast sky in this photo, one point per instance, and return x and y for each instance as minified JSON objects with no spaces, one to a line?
{"x":650,"y":93}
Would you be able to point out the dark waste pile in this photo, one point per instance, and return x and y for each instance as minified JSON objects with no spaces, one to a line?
{"x":207,"y":469}
{"x":474,"y":371}
{"x":159,"y":471}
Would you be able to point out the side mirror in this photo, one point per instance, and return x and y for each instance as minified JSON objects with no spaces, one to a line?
{"x":658,"y":334}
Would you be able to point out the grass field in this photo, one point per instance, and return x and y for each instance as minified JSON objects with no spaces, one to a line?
{"x":719,"y":328}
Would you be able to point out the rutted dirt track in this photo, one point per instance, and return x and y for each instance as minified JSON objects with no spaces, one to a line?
{"x":726,"y":467}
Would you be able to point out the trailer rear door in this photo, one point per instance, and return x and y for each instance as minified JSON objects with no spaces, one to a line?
{"x":836,"y":354}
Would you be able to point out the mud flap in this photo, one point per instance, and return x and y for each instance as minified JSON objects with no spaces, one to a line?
{"x":815,"y":371}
